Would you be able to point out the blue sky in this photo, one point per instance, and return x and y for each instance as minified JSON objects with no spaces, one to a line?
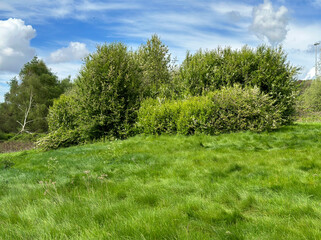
{"x":62,"y":32}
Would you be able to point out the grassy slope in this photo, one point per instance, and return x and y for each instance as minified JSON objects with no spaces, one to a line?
{"x":232,"y":186}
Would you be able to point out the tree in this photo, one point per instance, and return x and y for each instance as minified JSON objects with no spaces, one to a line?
{"x":107,"y":92}
{"x":27,"y":102}
{"x":155,"y":64}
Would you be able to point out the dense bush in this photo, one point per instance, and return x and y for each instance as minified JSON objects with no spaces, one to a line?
{"x":107,"y":91}
{"x":227,"y":110}
{"x":63,"y":113}
{"x":264,"y":67}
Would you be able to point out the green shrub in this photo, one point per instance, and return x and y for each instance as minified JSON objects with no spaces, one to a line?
{"x":63,"y":113}
{"x":61,"y":138}
{"x":103,"y":102}
{"x":107,"y":91}
{"x":230,"y":109}
{"x":312,"y":96}
{"x":264,"y":67}
{"x":157,"y":116}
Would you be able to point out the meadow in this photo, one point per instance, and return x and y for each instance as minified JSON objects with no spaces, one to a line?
{"x":230,"y":186}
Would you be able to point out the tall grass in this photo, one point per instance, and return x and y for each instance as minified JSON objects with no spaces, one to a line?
{"x":231,"y":186}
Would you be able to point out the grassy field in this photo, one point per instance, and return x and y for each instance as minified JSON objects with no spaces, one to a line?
{"x":231,"y":186}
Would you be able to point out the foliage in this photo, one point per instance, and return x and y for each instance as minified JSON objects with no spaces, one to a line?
{"x":115,"y":81}
{"x":154,"y":61}
{"x":5,"y":136}
{"x":312,"y":96}
{"x":37,"y":87}
{"x":61,"y":138}
{"x":102,"y":103}
{"x":107,"y":91}
{"x":227,"y":110}
{"x":264,"y":67}
{"x":63,"y":113}
{"x":231,"y":186}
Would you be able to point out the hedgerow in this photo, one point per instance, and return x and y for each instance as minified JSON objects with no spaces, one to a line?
{"x":230,"y":109}
{"x":264,"y":67}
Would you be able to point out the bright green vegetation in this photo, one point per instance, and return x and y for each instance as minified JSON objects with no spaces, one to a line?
{"x":115,"y":81}
{"x":231,"y":109}
{"x":230,"y":186}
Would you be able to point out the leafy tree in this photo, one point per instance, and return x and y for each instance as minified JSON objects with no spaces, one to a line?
{"x":155,"y":66}
{"x":27,"y":102}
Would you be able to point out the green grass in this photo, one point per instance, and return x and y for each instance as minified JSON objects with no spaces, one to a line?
{"x":231,"y":186}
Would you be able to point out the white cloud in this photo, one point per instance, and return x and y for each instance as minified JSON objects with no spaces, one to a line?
{"x":269,"y":23}
{"x":75,"y":51}
{"x":299,"y":45}
{"x":102,"y":6}
{"x":310,"y":74}
{"x":232,"y":8}
{"x":15,"y":47}
{"x":302,"y":36}
{"x":63,"y":70}
{"x":40,"y":11}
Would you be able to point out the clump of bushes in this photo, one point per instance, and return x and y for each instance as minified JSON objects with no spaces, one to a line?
{"x":120,"y":92}
{"x":264,"y":67}
{"x":227,"y":110}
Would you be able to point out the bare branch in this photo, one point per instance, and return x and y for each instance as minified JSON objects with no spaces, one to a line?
{"x":25,"y":121}
{"x":20,"y":123}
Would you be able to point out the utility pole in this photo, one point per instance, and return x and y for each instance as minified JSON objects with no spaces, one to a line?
{"x":316,"y":58}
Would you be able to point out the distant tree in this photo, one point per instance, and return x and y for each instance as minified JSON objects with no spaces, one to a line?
{"x":27,"y":102}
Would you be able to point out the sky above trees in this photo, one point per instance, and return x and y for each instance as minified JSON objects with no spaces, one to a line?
{"x":62,"y":32}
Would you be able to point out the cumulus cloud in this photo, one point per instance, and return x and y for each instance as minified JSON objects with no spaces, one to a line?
{"x":75,"y":51}
{"x":15,"y":47}
{"x":269,"y":23}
